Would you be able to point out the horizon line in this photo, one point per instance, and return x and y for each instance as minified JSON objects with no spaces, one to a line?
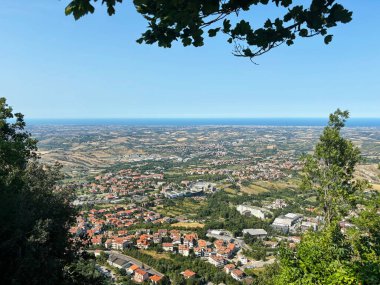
{"x":187,"y":118}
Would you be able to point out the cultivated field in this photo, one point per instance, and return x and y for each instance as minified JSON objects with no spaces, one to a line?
{"x":189,"y":225}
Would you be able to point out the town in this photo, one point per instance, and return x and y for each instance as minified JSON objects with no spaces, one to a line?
{"x":209,"y":205}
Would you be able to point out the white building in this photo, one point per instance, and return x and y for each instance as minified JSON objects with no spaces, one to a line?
{"x":254,"y":211}
{"x":286,"y":222}
{"x":117,"y":262}
{"x":257,"y":233}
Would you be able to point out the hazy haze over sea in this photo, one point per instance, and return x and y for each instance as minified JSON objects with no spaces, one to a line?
{"x":291,"y":122}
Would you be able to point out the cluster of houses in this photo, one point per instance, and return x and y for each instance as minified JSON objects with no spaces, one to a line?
{"x":124,"y":182}
{"x":275,"y":167}
{"x":218,"y":253}
{"x":100,"y":225}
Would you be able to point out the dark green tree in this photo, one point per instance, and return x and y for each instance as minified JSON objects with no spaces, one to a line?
{"x":35,"y":214}
{"x":333,"y":255}
{"x":188,"y":20}
{"x":321,"y":258}
{"x":330,"y":169}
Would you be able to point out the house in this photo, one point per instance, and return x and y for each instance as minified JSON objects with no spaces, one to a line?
{"x":140,"y":275}
{"x":237,"y":274}
{"x":231,"y":247}
{"x":243,"y":259}
{"x":202,"y":243}
{"x":155,"y":279}
{"x":132,"y":268}
{"x":157,"y":238}
{"x":96,"y":241}
{"x":217,"y":261}
{"x":190,"y":239}
{"x":219,"y":243}
{"x":119,"y":243}
{"x":108,"y":243}
{"x":184,"y":250}
{"x":187,"y":274}
{"x":163,"y":232}
{"x":167,"y":246}
{"x":229,"y":267}
{"x":142,"y":243}
{"x":207,"y":252}
{"x":198,"y":251}
{"x":176,"y":239}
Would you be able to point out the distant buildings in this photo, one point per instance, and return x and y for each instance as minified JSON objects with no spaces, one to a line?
{"x":138,"y":272}
{"x":286,"y":223}
{"x":217,"y":261}
{"x":192,"y":189}
{"x":258,"y":212}
{"x":257,"y":233}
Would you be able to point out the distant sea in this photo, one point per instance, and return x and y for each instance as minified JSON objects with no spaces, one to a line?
{"x":291,"y":122}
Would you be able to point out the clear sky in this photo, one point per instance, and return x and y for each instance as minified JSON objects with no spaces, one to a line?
{"x":54,"y":67}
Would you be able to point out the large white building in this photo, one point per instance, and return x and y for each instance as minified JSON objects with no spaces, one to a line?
{"x":286,"y":222}
{"x":254,"y":211}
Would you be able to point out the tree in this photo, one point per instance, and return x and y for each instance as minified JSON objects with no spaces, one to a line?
{"x":330,"y":169}
{"x":321,"y":258}
{"x":331,"y":257}
{"x":35,"y":214}
{"x":334,"y":255}
{"x":187,"y":21}
{"x":268,"y":275}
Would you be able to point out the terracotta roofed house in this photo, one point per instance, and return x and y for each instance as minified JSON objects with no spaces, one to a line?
{"x":229,"y":267}
{"x":155,"y":279}
{"x":237,"y":274}
{"x":188,"y":274}
{"x":140,"y":275}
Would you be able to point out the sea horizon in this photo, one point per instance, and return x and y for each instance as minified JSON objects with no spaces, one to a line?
{"x":290,"y":122}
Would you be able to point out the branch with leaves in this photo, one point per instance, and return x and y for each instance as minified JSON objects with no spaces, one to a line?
{"x":187,"y":21}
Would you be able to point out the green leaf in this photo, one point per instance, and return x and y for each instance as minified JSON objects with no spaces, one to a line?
{"x":328,"y":39}
{"x":213,"y":32}
{"x":268,"y":24}
{"x":226,"y":26}
{"x":303,"y":32}
{"x":186,"y":41}
{"x":289,"y":42}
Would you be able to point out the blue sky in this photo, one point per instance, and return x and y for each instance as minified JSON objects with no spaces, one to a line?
{"x":55,"y":67}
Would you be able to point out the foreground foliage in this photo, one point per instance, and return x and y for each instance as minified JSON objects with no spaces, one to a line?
{"x":338,"y":254}
{"x":187,"y":21}
{"x":330,"y":170}
{"x":35,"y":246}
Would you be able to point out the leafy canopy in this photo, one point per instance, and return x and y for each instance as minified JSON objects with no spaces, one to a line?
{"x":336,"y":255}
{"x":35,"y":215}
{"x":330,"y":169}
{"x":188,"y":20}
